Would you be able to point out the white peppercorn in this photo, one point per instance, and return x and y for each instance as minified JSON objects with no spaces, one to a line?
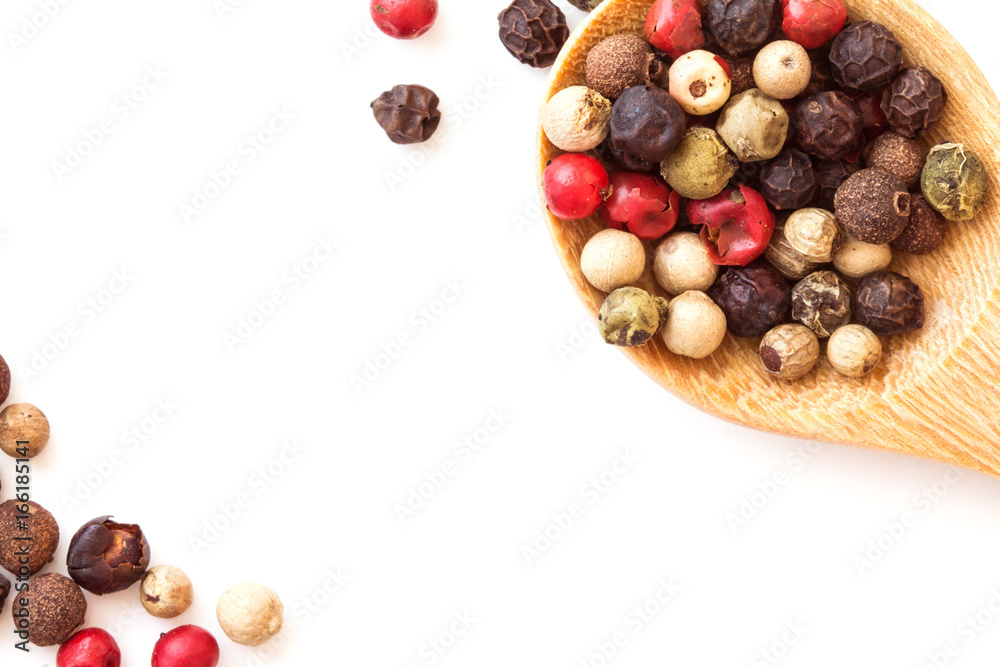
{"x":814,"y":234}
{"x":782,"y":69}
{"x":789,"y":351}
{"x":699,"y":82}
{"x":856,"y":259}
{"x":165,"y":591}
{"x":789,"y":261}
{"x":577,"y":119}
{"x":695,"y":326}
{"x":612,"y":259}
{"x":854,"y":350}
{"x":682,"y":263}
{"x":250,"y":614}
{"x":753,"y":125}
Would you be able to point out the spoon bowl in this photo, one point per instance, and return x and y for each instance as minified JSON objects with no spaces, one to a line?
{"x":937,"y":392}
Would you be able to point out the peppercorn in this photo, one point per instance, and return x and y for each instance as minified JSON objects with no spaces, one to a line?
{"x":574,"y":185}
{"x":740,"y":74}
{"x":830,"y":175}
{"x":873,"y":206}
{"x":857,"y":259}
{"x":736,"y":225}
{"x":106,"y":557}
{"x":822,"y":302}
{"x":701,"y":166}
{"x":674,"y":26}
{"x":865,"y":56}
{"x":630,"y":316}
{"x":754,"y":298}
{"x":625,"y":160}
{"x":926,"y":230}
{"x":786,"y":259}
{"x":789,"y":351}
{"x":854,"y":351}
{"x":813,"y":233}
{"x":695,"y":326}
{"x":753,"y":125}
{"x":898,"y":155}
{"x":250,"y":614}
{"x":915,"y":101}
{"x":24,"y":430}
{"x":533,"y":31}
{"x":585,"y":5}
{"x":55,"y":609}
{"x":408,"y":113}
{"x":788,"y":181}
{"x":889,"y":304}
{"x":38,"y":534}
{"x":165,"y":591}
{"x":682,"y":264}
{"x":619,"y":62}
{"x":740,"y":26}
{"x":875,"y":122}
{"x":829,"y":125}
{"x":782,"y":70}
{"x":612,"y":259}
{"x":4,"y":590}
{"x":954,"y":181}
{"x":699,"y":81}
{"x":577,"y":119}
{"x":4,"y":381}
{"x":647,"y":122}
{"x":640,"y":204}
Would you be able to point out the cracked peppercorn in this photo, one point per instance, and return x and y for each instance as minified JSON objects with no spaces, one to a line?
{"x":106,"y":557}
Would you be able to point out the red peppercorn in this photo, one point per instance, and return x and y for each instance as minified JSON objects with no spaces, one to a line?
{"x":404,"y":19}
{"x":813,"y":23}
{"x":186,"y":646}
{"x":642,"y":204}
{"x":92,"y":647}
{"x":737,"y":225}
{"x":575,"y":185}
{"x":674,"y":26}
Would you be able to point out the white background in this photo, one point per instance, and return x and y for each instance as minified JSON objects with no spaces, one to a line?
{"x":514,"y":340}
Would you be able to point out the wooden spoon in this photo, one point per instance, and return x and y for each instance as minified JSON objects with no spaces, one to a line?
{"x":937,"y":392}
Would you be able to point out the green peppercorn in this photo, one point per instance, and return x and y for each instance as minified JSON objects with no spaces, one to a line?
{"x":701,"y":166}
{"x":630,"y":316}
{"x":954,"y":181}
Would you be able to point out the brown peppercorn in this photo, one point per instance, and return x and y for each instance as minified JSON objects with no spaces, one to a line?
{"x":624,"y":160}
{"x":619,"y":62}
{"x":915,"y":101}
{"x":106,"y":557}
{"x":829,"y":125}
{"x":787,"y":260}
{"x":4,"y":381}
{"x":4,"y":590}
{"x":741,"y":74}
{"x":898,"y":155}
{"x":533,"y":31}
{"x":39,"y":531}
{"x":788,"y":181}
{"x":873,"y":206}
{"x":740,"y":26}
{"x":830,"y":175}
{"x":822,"y":302}
{"x":408,"y":113}
{"x":889,"y":304}
{"x":926,"y":230}
{"x":24,"y":430}
{"x":647,"y":123}
{"x":865,"y":56}
{"x":754,"y":298}
{"x":55,"y":608}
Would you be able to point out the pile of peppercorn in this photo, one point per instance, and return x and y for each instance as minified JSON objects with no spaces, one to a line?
{"x":770,"y":141}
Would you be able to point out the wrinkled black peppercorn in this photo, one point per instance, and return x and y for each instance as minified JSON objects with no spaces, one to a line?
{"x":533,"y":31}
{"x":829,"y":125}
{"x":926,"y":230}
{"x":865,"y":56}
{"x":754,"y":298}
{"x":408,"y":113}
{"x":647,"y":123}
{"x":889,"y":304}
{"x":106,"y":557}
{"x":740,"y":26}
{"x":830,"y":175}
{"x":914,"y":102}
{"x":788,"y":181}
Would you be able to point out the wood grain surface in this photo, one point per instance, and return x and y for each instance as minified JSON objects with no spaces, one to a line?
{"x":936,"y":393}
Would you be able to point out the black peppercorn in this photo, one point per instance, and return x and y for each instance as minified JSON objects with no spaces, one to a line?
{"x":106,"y":557}
{"x":873,"y":206}
{"x":533,"y":31}
{"x":788,"y":181}
{"x":830,"y":175}
{"x":889,"y":304}
{"x":647,"y":123}
{"x":740,"y":26}
{"x":926,"y":230}
{"x":408,"y":113}
{"x":623,"y":160}
{"x":754,"y":298}
{"x":865,"y":56}
{"x":829,"y":125}
{"x":914,"y":102}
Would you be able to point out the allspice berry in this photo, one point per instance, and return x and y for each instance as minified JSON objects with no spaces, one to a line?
{"x":814,"y":234}
{"x":898,"y":155}
{"x":24,"y":430}
{"x":55,"y":608}
{"x":889,"y":304}
{"x":926,"y":230}
{"x":753,"y":125}
{"x":577,"y":119}
{"x":857,"y":259}
{"x":106,"y":557}
{"x":250,"y":614}
{"x":695,"y":326}
{"x":822,"y":302}
{"x":165,"y":591}
{"x":612,"y":259}
{"x":954,"y":182}
{"x":854,"y":351}
{"x":619,"y":62}
{"x":701,"y":166}
{"x":682,"y":264}
{"x":786,"y":259}
{"x":631,"y":316}
{"x":915,"y":101}
{"x":873,"y":206}
{"x":34,"y":531}
{"x":789,"y":351}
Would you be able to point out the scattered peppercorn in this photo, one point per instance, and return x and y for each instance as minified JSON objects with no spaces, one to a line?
{"x":753,"y":125}
{"x":788,"y":181}
{"x":574,"y":185}
{"x":898,"y":155}
{"x":889,"y":304}
{"x":630,"y":316}
{"x":408,"y":113}
{"x":38,"y":534}
{"x":865,"y":56}
{"x":55,"y":608}
{"x":107,"y":557}
{"x":740,"y":26}
{"x":24,"y":430}
{"x":789,"y":351}
{"x":533,"y":31}
{"x":701,"y":166}
{"x":873,"y":206}
{"x":926,"y":230}
{"x":829,"y":125}
{"x":695,"y":326}
{"x":854,"y":351}
{"x":165,"y":591}
{"x":619,"y":62}
{"x":830,"y":175}
{"x":915,"y":101}
{"x":822,"y":302}
{"x":954,"y":181}
{"x":754,"y":298}
{"x":250,"y":614}
{"x":647,"y":123}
